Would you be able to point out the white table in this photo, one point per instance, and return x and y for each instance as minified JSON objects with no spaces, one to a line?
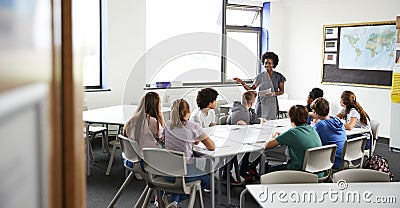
{"x":112,"y":115}
{"x":262,"y":193}
{"x":231,"y":140}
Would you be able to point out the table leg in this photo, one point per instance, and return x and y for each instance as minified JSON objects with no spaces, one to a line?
{"x":212,"y":184}
{"x":87,"y":150}
{"x":219,"y":185}
{"x":228,"y":181}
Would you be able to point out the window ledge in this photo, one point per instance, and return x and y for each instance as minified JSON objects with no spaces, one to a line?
{"x":195,"y":86}
{"x":97,"y":90}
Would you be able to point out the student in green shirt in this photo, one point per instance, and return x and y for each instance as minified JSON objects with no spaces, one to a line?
{"x":299,"y":138}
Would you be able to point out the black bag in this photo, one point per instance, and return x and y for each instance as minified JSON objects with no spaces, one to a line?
{"x":379,"y":163}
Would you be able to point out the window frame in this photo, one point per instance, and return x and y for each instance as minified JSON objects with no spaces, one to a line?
{"x":235,"y":28}
{"x":102,"y":50}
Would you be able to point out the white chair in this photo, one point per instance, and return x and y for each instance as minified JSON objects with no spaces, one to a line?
{"x":222,"y":120}
{"x":93,"y":132}
{"x":161,"y":162}
{"x":360,"y":175}
{"x":353,"y":150}
{"x":374,"y":137}
{"x":220,"y":111}
{"x":283,"y":177}
{"x":320,"y":159}
{"x":288,"y":177}
{"x":130,"y":152}
{"x":115,"y":145}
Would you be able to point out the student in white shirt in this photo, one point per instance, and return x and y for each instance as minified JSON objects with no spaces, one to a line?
{"x":205,"y":114}
{"x":354,"y":115}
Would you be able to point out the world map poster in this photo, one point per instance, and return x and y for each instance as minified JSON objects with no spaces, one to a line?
{"x":367,"y":47}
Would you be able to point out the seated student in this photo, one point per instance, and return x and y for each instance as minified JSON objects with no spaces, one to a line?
{"x":205,"y":114}
{"x":354,"y":115}
{"x":146,"y":125}
{"x":329,"y":128}
{"x":314,"y":94}
{"x":242,"y":113}
{"x":180,"y":135}
{"x":299,"y":138}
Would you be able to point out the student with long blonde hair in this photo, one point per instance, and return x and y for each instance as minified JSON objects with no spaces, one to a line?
{"x":354,"y":114}
{"x":181,"y":135}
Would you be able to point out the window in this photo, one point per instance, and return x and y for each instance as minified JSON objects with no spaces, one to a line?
{"x":87,"y":37}
{"x":243,"y":24}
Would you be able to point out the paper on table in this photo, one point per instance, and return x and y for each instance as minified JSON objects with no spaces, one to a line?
{"x":264,"y":93}
{"x":218,"y":141}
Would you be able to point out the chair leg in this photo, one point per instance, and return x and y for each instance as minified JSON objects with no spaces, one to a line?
{"x":147,"y":199}
{"x":123,"y":187}
{"x":91,"y":153}
{"x":192,"y":197}
{"x":103,"y":141}
{"x":236,"y":165}
{"x":242,"y":198}
{"x":110,"y":162}
{"x":142,"y":197}
{"x":159,"y":199}
{"x":201,"y":198}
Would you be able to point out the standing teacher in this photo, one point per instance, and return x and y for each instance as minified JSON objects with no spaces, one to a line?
{"x":270,"y":84}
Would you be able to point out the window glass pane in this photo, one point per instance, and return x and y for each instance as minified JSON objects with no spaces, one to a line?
{"x":86,"y":34}
{"x":193,"y":68}
{"x":249,"y":68}
{"x":167,"y":19}
{"x":239,"y":17}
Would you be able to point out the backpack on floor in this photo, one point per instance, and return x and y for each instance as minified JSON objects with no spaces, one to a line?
{"x":379,"y":163}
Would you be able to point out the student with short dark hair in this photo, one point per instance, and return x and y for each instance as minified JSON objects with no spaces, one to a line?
{"x":314,"y":94}
{"x":329,"y":128}
{"x":299,"y":138}
{"x":205,"y":114}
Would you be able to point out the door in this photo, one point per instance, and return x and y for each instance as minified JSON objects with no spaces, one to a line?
{"x":41,"y":99}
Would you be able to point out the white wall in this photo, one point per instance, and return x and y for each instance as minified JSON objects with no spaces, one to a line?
{"x":126,"y":44}
{"x":296,"y":36}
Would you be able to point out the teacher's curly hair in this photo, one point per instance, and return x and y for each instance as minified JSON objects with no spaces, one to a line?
{"x":272,"y":56}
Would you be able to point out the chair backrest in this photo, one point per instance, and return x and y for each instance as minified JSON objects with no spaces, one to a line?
{"x":288,"y":177}
{"x":222,"y":120}
{"x":319,"y":159}
{"x":164,"y":162}
{"x":360,"y":175}
{"x":353,"y":149}
{"x":375,"y":130}
{"x":129,"y":148}
{"x":221,"y":111}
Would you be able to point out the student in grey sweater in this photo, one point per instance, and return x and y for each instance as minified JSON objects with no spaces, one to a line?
{"x":242,"y":113}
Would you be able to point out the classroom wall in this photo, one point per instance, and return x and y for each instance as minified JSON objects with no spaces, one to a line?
{"x":126,"y":44}
{"x":296,"y":35}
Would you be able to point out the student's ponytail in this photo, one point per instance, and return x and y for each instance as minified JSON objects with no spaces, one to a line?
{"x":179,"y":109}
